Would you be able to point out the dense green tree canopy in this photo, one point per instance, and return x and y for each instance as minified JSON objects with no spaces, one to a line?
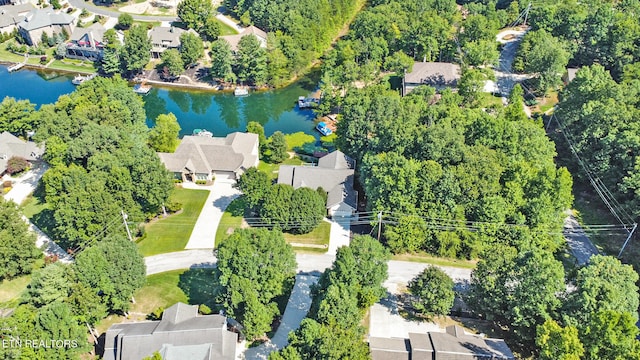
{"x":251,"y":61}
{"x":254,"y":267}
{"x":163,"y":137}
{"x":97,"y":142}
{"x":195,"y":13}
{"x":172,"y":63}
{"x":433,"y":292}
{"x":222,"y":61}
{"x":191,"y":48}
{"x":544,"y":56}
{"x":17,"y":116}
{"x":18,"y":249}
{"x":136,"y":49}
{"x":558,"y":343}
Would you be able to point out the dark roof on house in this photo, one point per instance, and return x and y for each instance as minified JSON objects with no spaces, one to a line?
{"x":454,"y":344}
{"x":203,"y":154}
{"x":39,"y":18}
{"x":234,"y":40}
{"x":433,"y":73}
{"x":180,"y":334}
{"x":334,"y":173}
{"x":10,"y":146}
{"x":13,"y":14}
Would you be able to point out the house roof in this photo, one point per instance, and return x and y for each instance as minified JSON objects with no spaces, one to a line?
{"x":571,"y":74}
{"x":166,"y":35}
{"x":180,"y":334}
{"x":433,"y":73}
{"x":93,"y":34}
{"x":202,"y":154}
{"x":454,"y":344}
{"x":13,"y":146}
{"x":234,"y":40}
{"x":13,"y":14}
{"x":389,"y":348}
{"x":39,"y":18}
{"x":334,"y":173}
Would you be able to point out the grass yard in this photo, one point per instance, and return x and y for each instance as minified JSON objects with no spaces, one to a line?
{"x":319,"y":236}
{"x":226,"y":29}
{"x":172,"y":233}
{"x":231,"y":219}
{"x":428,"y":259}
{"x":272,"y":169}
{"x":191,"y":286}
{"x":10,"y":290}
{"x":38,"y":212}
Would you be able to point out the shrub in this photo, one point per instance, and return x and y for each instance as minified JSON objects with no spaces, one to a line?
{"x":177,"y":181}
{"x":173,"y":206}
{"x":201,"y":182}
{"x":17,"y":164}
{"x":204,"y":309}
{"x":7,"y":184}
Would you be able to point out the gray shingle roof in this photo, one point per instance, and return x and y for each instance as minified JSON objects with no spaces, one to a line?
{"x":202,"y":154}
{"x":39,"y":18}
{"x":389,"y":348}
{"x":170,"y":36}
{"x":180,"y":332}
{"x":334,"y":174}
{"x":13,"y":14}
{"x":13,"y":146}
{"x":93,"y":33}
{"x":234,"y":40}
{"x":433,"y":73}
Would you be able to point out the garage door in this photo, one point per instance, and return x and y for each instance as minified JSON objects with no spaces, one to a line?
{"x":225,"y":176}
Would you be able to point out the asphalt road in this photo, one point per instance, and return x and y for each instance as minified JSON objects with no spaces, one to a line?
{"x":579,"y":244}
{"x":113,"y":12}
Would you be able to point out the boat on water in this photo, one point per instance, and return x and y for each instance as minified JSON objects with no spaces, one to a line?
{"x":323,"y":129}
{"x":240,"y":91}
{"x":79,"y":79}
{"x":202,"y":132}
{"x":141,"y":89}
{"x":307,"y":103}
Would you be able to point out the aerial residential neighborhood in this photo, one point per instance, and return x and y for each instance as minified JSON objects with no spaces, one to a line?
{"x":341,"y":179}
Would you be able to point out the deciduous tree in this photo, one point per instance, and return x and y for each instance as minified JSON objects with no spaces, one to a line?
{"x":433,"y":292}
{"x":191,"y":48}
{"x":163,"y":137}
{"x":136,"y":49}
{"x":18,"y":249}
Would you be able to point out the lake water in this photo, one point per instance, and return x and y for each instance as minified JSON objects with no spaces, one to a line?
{"x":218,"y":112}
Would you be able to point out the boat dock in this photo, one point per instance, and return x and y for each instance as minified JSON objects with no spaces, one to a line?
{"x":330,"y":121}
{"x":19,"y":66}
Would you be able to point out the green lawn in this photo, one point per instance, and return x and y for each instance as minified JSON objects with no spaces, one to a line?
{"x":38,"y":212}
{"x":226,"y":29}
{"x":231,"y":219}
{"x":172,"y":233}
{"x":319,"y":236}
{"x":272,"y":169}
{"x":428,"y":259}
{"x":10,"y":290}
{"x":191,"y":286}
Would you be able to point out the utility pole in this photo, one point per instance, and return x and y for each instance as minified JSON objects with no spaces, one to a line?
{"x":635,"y":225}
{"x":124,"y":219}
{"x":379,"y":224}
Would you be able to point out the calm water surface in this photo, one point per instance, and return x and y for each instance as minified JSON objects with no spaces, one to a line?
{"x":220,"y":113}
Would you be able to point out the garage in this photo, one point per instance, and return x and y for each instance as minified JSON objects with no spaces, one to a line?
{"x":225,"y":176}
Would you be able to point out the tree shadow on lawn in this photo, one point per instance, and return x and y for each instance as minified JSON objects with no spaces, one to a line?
{"x":201,"y":286}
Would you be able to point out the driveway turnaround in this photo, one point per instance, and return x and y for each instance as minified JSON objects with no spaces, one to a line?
{"x":297,"y":309}
{"x":221,"y":193}
{"x":386,"y":322}
{"x":24,"y":185}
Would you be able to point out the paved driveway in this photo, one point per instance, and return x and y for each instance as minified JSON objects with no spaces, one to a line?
{"x":24,"y":185}
{"x":221,"y":193}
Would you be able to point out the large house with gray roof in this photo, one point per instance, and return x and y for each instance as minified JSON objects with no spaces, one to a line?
{"x":11,"y":146}
{"x":453,"y":344}
{"x":164,"y":38}
{"x":334,"y":173}
{"x":12,"y":15}
{"x":201,"y":157}
{"x":181,"y":334}
{"x":49,"y":21}
{"x":435,"y":74}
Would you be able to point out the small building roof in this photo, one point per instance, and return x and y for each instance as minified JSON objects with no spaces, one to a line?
{"x":433,"y":73}
{"x":11,"y":146}
{"x":571,"y":74}
{"x":39,"y":18}
{"x":203,"y":154}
